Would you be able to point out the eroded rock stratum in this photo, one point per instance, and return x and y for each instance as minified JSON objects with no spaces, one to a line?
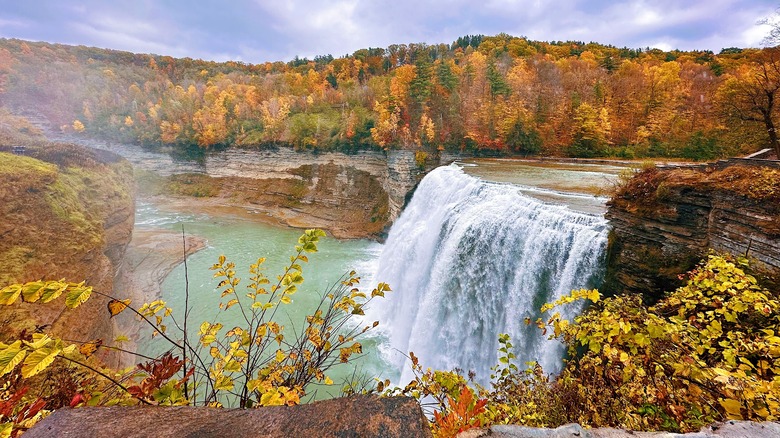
{"x":665,"y":220}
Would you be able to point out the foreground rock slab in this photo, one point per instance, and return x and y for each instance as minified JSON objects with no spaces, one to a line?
{"x":729,"y":429}
{"x":358,"y":416}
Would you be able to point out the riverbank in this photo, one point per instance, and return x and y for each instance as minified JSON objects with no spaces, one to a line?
{"x":151,"y":255}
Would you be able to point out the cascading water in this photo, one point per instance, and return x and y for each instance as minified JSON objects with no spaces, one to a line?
{"x":470,"y":259}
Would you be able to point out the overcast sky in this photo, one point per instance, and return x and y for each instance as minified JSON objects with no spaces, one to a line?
{"x":272,"y":30}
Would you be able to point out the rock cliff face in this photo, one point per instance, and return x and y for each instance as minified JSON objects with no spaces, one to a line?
{"x":332,"y":179}
{"x":67,"y":213}
{"x":352,"y":196}
{"x":664,"y":221}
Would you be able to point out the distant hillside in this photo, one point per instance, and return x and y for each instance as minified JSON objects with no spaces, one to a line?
{"x":499,"y":94}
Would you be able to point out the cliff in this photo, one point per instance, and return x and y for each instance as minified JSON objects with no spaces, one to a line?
{"x":351,"y":196}
{"x":67,"y":212}
{"x":665,"y":220}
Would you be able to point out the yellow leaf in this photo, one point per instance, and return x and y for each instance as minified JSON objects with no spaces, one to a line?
{"x":11,"y":356}
{"x":39,"y":359}
{"x":9,"y":294}
{"x":6,"y":429}
{"x":39,"y":340}
{"x":90,"y":348}
{"x":233,"y":366}
{"x":52,"y":290}
{"x":733,"y":408}
{"x":271,"y":398}
{"x":328,"y":381}
{"x":77,"y":296}
{"x":32,"y":291}
{"x":223,"y":383}
{"x":115,"y":307}
{"x":291,"y":398}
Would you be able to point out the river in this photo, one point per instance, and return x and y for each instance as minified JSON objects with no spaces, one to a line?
{"x":439,"y":251}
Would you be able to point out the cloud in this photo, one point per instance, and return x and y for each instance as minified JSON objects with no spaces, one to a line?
{"x":265,"y":30}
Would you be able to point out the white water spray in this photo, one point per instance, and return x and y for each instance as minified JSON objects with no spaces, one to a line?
{"x":469,"y":259}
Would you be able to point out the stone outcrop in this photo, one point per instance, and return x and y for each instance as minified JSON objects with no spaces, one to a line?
{"x":396,"y":172}
{"x":67,"y":213}
{"x":665,"y":221}
{"x":358,"y":416}
{"x":729,"y":429}
{"x":351,"y":195}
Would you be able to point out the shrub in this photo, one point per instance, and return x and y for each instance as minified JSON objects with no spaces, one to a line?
{"x":257,"y":364}
{"x":708,"y":351}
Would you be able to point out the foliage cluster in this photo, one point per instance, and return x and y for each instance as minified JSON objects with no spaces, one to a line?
{"x":259,"y":363}
{"x":708,"y":351}
{"x":502,"y":93}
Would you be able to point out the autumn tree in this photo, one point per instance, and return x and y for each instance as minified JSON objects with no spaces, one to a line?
{"x":592,"y":130}
{"x":750,"y":94}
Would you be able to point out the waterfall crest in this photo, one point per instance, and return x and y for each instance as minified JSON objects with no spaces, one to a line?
{"x":469,"y":259}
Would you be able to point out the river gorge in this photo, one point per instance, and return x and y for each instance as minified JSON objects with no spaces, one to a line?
{"x":481,"y":245}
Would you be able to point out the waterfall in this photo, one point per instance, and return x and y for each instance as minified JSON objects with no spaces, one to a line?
{"x":469,"y":259}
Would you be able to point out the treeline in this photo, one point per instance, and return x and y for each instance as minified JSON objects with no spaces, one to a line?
{"x":499,"y":94}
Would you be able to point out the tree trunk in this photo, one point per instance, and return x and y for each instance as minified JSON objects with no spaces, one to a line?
{"x":769,"y":123}
{"x":770,"y":128}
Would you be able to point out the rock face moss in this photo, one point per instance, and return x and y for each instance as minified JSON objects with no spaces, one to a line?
{"x":67,"y":212}
{"x":664,"y":221}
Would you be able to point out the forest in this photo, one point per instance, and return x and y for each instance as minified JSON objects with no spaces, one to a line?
{"x":487,"y":95}
{"x":707,"y":351}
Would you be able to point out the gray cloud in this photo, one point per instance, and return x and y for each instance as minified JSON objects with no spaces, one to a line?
{"x":268,"y":30}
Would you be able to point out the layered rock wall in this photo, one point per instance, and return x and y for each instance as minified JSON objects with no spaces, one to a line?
{"x":667,"y":220}
{"x":396,"y":172}
{"x":351,"y":195}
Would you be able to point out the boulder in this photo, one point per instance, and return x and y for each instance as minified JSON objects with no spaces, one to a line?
{"x":357,"y":416}
{"x":729,"y":429}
